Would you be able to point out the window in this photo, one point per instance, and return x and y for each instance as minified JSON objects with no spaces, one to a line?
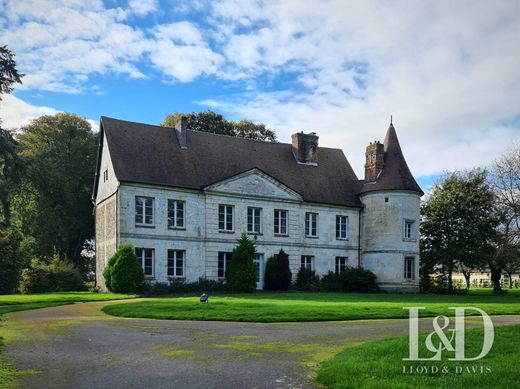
{"x":105,"y":175}
{"x":409,"y":268}
{"x":144,"y":210}
{"x":341,"y":264}
{"x":176,"y":263}
{"x":308,"y":261}
{"x":408,"y":229}
{"x":176,"y":213}
{"x":311,"y":224}
{"x":254,"y":220}
{"x":146,"y":257}
{"x":225,"y":217}
{"x":223,"y":263}
{"x":341,"y":227}
{"x":280,"y":222}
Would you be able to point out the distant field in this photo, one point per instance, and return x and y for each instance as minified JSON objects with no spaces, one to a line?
{"x":301,"y":306}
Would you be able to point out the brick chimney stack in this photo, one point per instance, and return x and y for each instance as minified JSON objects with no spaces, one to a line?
{"x":181,"y":130}
{"x":374,"y":161}
{"x":305,"y":148}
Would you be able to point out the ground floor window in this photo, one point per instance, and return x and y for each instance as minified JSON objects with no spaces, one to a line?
{"x":308,"y":261}
{"x":176,"y":259}
{"x":341,"y":264}
{"x":146,"y":257}
{"x":409,"y":268}
{"x":224,"y":258}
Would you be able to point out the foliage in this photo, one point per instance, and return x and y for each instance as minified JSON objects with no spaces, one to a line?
{"x":306,"y":279}
{"x":11,"y":263}
{"x":181,"y":286}
{"x":277,"y":275}
{"x":57,"y":276}
{"x":54,"y":207}
{"x":356,"y":279}
{"x":123,"y":273}
{"x":459,"y":223}
{"x":331,"y":282}
{"x":242,"y":272}
{"x":215,"y":123}
{"x":8,"y":73}
{"x":11,"y":170}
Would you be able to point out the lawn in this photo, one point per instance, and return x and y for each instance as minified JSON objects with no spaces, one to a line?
{"x":379,"y":364}
{"x":299,"y":306}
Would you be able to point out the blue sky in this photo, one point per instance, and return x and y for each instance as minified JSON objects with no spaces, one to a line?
{"x":447,"y":71}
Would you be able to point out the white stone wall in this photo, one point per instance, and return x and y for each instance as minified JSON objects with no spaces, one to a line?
{"x":384,"y":246}
{"x":109,"y":187}
{"x":106,"y":235}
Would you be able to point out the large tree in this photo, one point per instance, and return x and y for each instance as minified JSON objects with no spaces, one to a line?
{"x":459,"y":223}
{"x":210,"y":121}
{"x":9,"y":75}
{"x":54,"y":207}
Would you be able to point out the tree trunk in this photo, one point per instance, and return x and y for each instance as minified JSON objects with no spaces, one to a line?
{"x":510,"y":275}
{"x":450,"y":281}
{"x":496,"y":274}
{"x":467,"y":276}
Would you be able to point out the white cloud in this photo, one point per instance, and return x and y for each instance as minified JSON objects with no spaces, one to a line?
{"x":143,"y":7}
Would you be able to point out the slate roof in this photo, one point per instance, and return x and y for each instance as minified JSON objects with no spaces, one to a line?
{"x":147,"y":154}
{"x":395,"y":174}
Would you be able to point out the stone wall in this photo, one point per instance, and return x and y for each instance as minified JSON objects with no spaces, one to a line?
{"x":106,"y":235}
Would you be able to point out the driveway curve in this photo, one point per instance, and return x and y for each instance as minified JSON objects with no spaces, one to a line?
{"x":78,"y":346}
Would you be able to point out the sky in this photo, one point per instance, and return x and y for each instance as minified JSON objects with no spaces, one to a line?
{"x":448,"y":71}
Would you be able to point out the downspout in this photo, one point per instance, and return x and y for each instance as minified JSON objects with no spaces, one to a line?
{"x":359,"y":236}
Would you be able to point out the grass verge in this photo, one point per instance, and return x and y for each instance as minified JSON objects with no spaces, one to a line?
{"x":379,"y":364}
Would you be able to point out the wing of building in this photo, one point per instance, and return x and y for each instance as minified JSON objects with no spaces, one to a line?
{"x":183,"y":198}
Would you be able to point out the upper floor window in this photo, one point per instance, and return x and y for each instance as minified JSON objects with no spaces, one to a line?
{"x":311,"y":224}
{"x":341,"y":227}
{"x":224,"y":259}
{"x":341,"y":264}
{"x":225,"y":217}
{"x":408,"y":229}
{"x":105,"y":175}
{"x":254,"y":220}
{"x":307,"y":261}
{"x":176,"y":213}
{"x":176,"y":259}
{"x":280,"y":222}
{"x":147,"y":259}
{"x":144,"y":210}
{"x":409,"y":268}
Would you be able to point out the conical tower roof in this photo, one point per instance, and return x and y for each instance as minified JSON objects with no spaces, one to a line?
{"x":395,"y":174}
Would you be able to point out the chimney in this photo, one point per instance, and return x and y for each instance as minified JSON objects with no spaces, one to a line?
{"x":305,"y":148}
{"x":374,"y":161}
{"x":180,"y":128}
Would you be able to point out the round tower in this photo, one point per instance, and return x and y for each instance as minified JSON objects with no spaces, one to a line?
{"x":390,"y":217}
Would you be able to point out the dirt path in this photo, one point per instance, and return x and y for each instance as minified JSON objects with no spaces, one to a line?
{"x":78,"y":346}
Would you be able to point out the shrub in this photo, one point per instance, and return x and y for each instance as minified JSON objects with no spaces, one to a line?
{"x":278,"y":275}
{"x":10,"y":262}
{"x":331,"y":282}
{"x":306,"y":279}
{"x":124,"y":273}
{"x":181,"y":286}
{"x":242,"y":272}
{"x":356,"y":279}
{"x":57,"y":276}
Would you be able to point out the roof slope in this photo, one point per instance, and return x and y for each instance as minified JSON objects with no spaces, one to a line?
{"x":395,"y":174}
{"x":149,"y":154}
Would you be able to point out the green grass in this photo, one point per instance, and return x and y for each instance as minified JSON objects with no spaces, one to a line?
{"x":297,"y":306}
{"x":379,"y":364}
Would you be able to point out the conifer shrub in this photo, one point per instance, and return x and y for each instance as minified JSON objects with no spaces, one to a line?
{"x":278,"y":275}
{"x":123,"y":273}
{"x":307,"y":280}
{"x":242,"y":272}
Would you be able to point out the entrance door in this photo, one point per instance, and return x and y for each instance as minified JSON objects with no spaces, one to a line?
{"x":259,"y":260}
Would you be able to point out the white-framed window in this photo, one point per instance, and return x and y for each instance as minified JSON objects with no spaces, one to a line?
{"x":341,"y":264}
{"x":176,"y":212}
{"x":105,"y":175}
{"x":408,"y":232}
{"x":409,"y":268}
{"x":311,"y":224}
{"x":281,"y":221}
{"x":341,"y":227}
{"x":176,"y":263}
{"x":144,"y":210}
{"x":254,"y":220}
{"x":224,"y":258}
{"x":225,"y":217}
{"x":147,"y":259}
{"x":307,"y":261}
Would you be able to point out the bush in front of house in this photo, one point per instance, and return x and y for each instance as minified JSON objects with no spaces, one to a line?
{"x":123,"y":273}
{"x":57,"y":276}
{"x":307,"y":280}
{"x":357,"y":279}
{"x":331,"y":282}
{"x":242,"y":271}
{"x":278,"y":275}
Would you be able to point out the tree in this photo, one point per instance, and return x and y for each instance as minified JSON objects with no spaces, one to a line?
{"x":10,"y":173}
{"x":242,"y":272}
{"x":8,"y":73}
{"x":210,"y":121}
{"x":11,"y":263}
{"x":278,"y":275}
{"x":59,"y":152}
{"x":123,"y":273}
{"x":459,"y":223}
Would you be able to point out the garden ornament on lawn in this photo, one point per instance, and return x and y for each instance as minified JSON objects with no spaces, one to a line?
{"x":204,"y":298}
